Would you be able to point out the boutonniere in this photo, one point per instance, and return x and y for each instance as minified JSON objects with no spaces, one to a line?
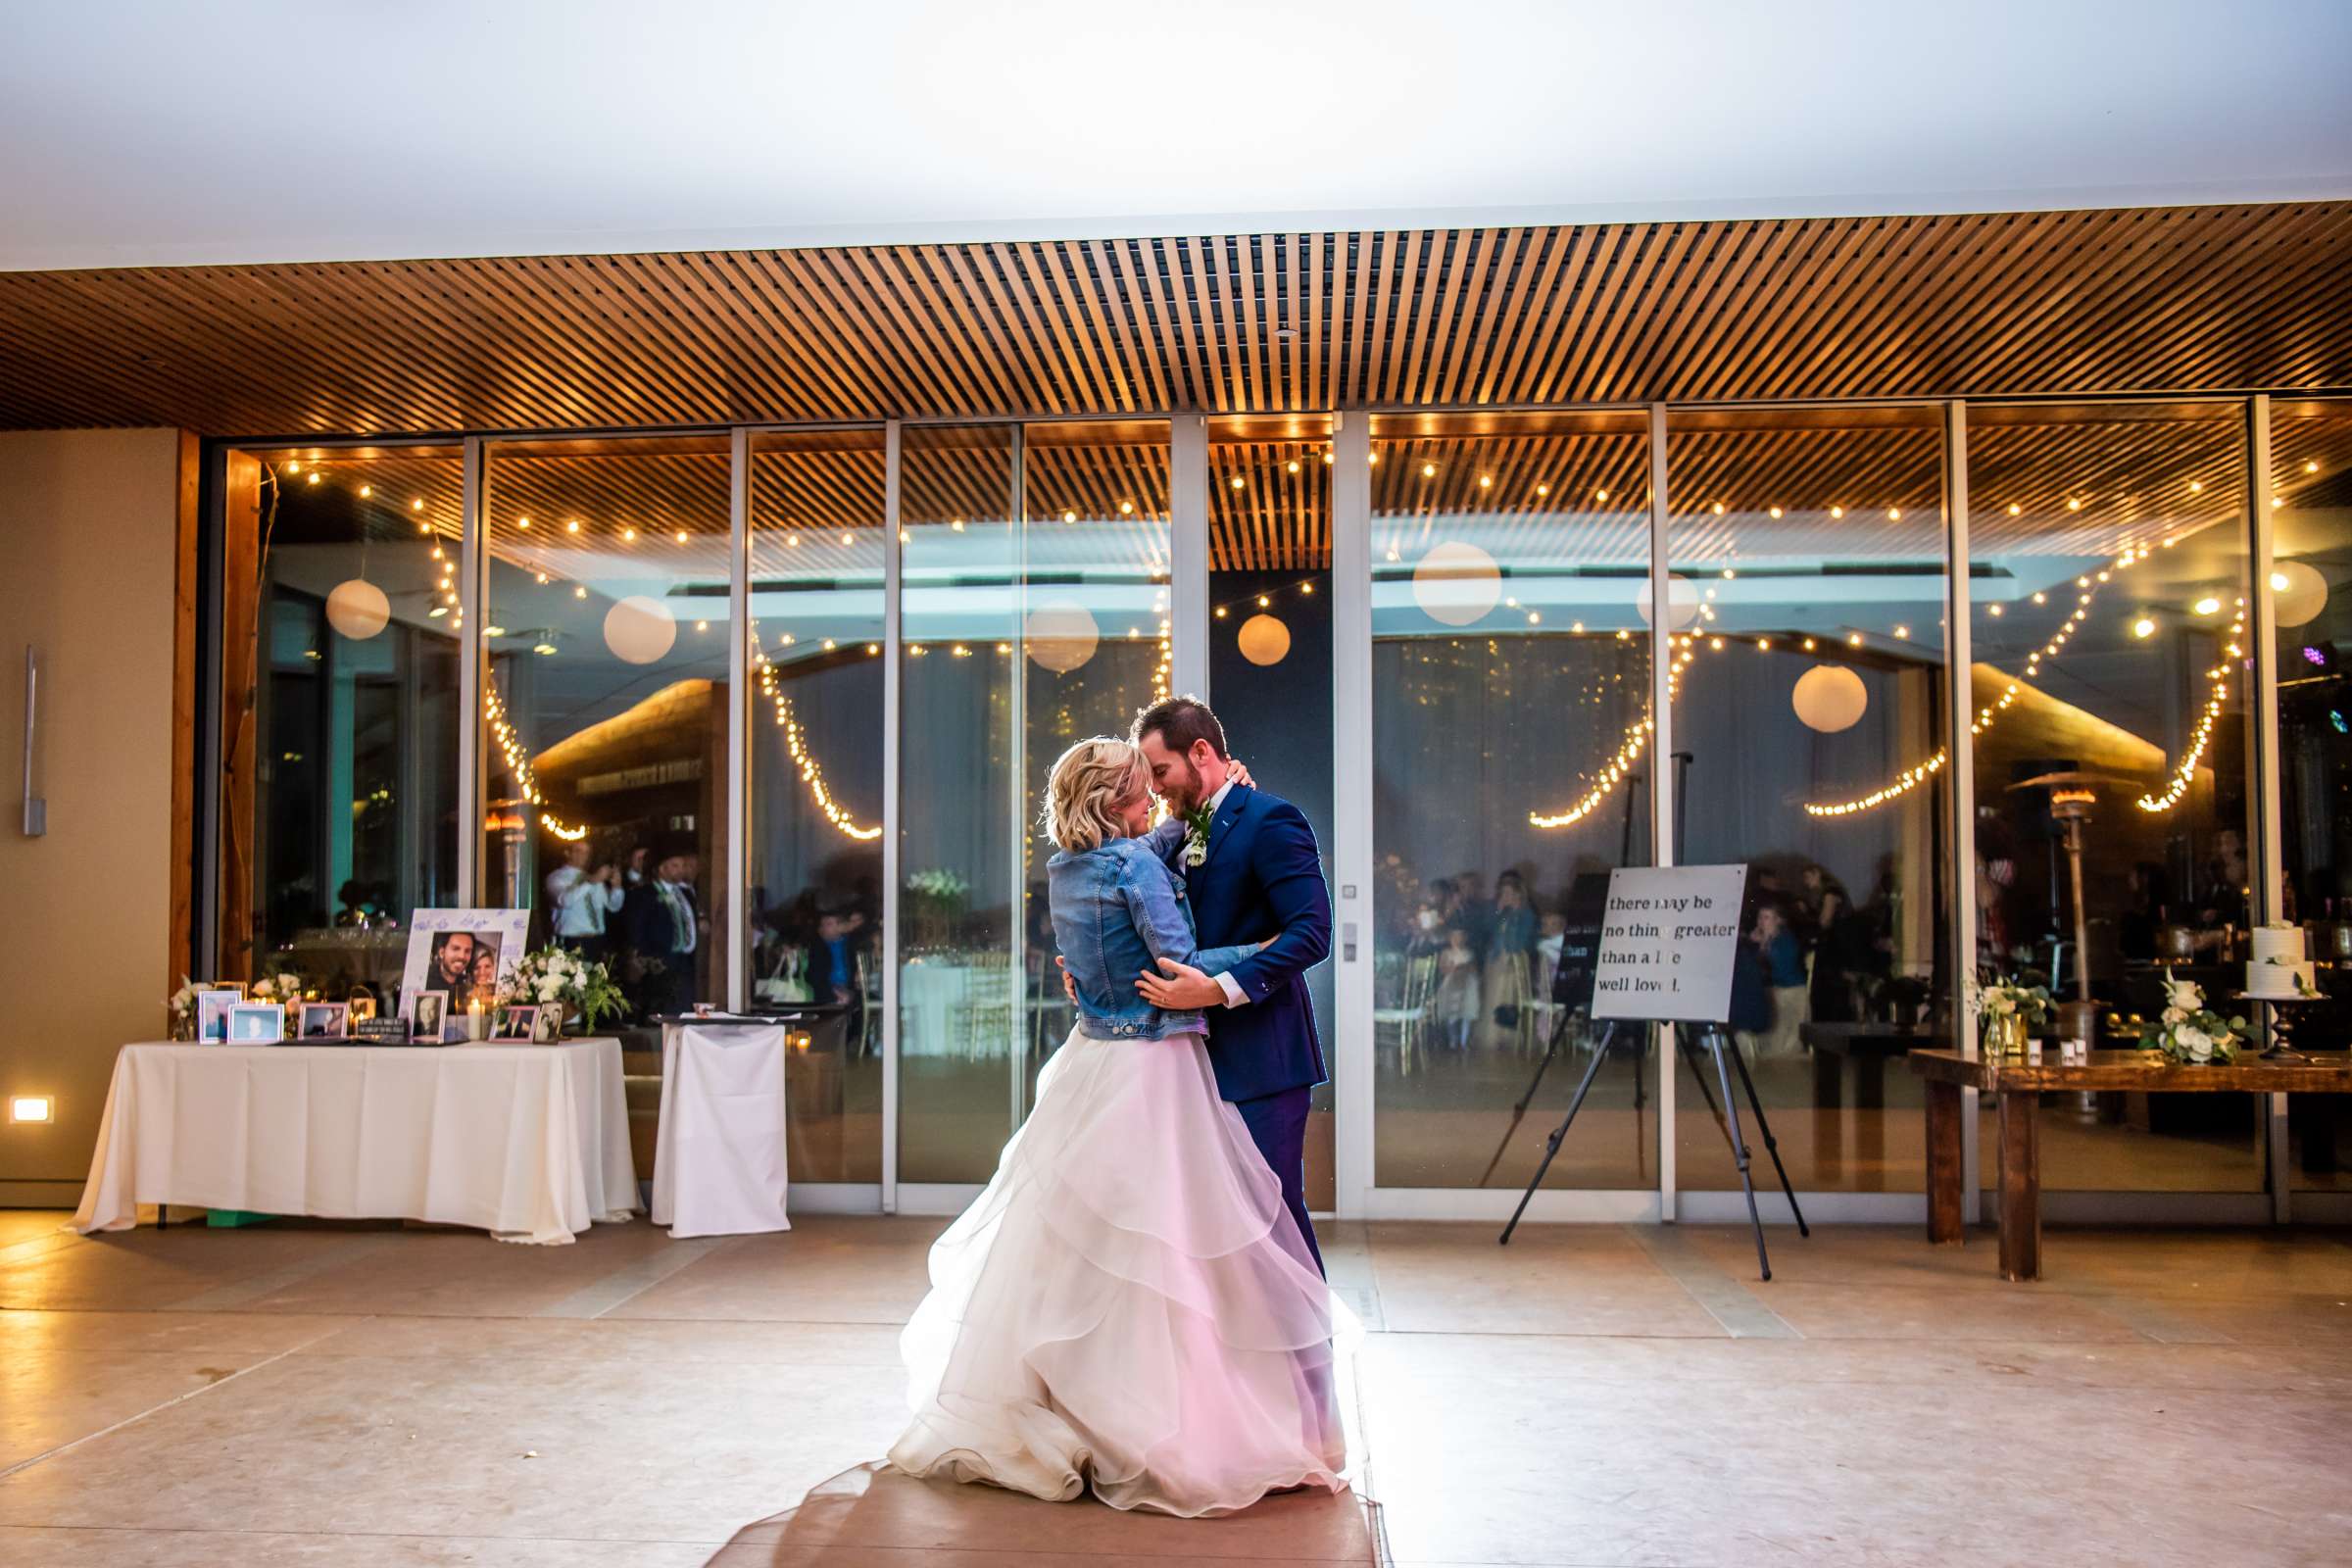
{"x":1196,"y":837}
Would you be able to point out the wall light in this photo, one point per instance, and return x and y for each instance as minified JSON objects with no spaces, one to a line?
{"x":32,"y":1107}
{"x":2143,"y":627}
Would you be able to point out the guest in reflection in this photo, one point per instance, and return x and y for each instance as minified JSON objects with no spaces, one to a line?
{"x":1456,"y":1006}
{"x":357,"y":910}
{"x":590,"y":899}
{"x":2226,"y":878}
{"x":665,"y":930}
{"x":833,"y":966}
{"x":1841,"y":946}
{"x":2145,"y":914}
{"x":1473,"y":910}
{"x":1509,"y":942}
{"x":1784,"y":973}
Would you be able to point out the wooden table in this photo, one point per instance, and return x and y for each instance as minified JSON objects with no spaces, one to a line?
{"x":1868,"y":1046}
{"x":2020,"y":1086}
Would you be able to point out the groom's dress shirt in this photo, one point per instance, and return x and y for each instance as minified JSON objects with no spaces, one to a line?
{"x":1234,"y":996}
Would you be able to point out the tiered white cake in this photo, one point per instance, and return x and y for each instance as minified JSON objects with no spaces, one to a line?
{"x":2278,"y":967}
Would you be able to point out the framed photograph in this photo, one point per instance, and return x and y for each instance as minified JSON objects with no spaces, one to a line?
{"x":212,"y":1011}
{"x":257,"y":1023}
{"x":325,"y":1020}
{"x":517,"y":1021}
{"x":546,"y":1027}
{"x":463,"y":952}
{"x":428,"y":1015}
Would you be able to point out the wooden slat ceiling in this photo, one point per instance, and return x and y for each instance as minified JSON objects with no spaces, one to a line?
{"x":2178,"y":299}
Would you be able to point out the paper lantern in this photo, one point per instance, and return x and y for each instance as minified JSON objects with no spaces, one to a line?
{"x":1264,"y":640}
{"x":1060,"y":635}
{"x":1829,"y":698}
{"x":2298,"y":592}
{"x":639,"y":630}
{"x":1455,"y":584}
{"x":358,"y":608}
{"x":1682,"y":602}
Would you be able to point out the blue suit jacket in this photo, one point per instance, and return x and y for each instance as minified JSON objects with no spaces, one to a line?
{"x":1262,"y":878}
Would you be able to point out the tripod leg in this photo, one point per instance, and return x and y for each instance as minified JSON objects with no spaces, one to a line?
{"x":1771,"y":1145}
{"x":1740,"y":1152}
{"x":1559,"y":1033}
{"x":1552,"y":1146}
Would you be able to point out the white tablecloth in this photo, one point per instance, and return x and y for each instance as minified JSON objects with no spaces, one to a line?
{"x":530,"y":1142}
{"x":718,"y":1162}
{"x":932,"y":997}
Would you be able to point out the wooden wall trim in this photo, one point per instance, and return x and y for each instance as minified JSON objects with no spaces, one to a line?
{"x":179,"y":957}
{"x":240,"y":669}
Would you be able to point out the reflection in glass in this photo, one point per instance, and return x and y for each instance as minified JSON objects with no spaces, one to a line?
{"x":2107,"y":580}
{"x":339,"y":812}
{"x":1808,"y":703}
{"x":1094,"y":640}
{"x":819,"y":548}
{"x":2311,"y":562}
{"x":606,"y":705}
{"x":962,"y":833}
{"x":1510,"y":680}
{"x":1270,"y":653}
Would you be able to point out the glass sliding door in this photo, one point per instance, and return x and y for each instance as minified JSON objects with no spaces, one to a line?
{"x":605,"y":639}
{"x":1510,"y":692}
{"x":340,"y":653}
{"x":1094,"y":641}
{"x":2108,"y":560}
{"x":1270,"y":653}
{"x":819,"y":548}
{"x":2310,"y":566}
{"x":963,"y":843}
{"x":1807,"y":550}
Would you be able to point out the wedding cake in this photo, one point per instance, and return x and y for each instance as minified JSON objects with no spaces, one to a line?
{"x":2277,"y":966}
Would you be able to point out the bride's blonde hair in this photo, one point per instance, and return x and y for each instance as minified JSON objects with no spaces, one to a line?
{"x":1090,"y":778}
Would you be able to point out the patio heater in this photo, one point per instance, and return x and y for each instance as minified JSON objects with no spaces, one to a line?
{"x":2072,"y":793}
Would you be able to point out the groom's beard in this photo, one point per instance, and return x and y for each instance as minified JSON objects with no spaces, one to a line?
{"x":1184,"y":797}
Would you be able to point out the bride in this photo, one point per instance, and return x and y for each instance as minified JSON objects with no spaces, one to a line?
{"x":1128,"y":1307}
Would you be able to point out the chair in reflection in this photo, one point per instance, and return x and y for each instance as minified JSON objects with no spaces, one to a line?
{"x":984,"y":1010}
{"x":1408,"y":1021}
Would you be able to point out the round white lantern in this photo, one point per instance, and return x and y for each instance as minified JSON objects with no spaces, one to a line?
{"x":1264,"y":640}
{"x":1830,"y":698}
{"x":2298,"y":592}
{"x":1455,"y":584}
{"x":1060,"y":635}
{"x":639,"y":630}
{"x":1682,"y":602}
{"x":358,"y":608}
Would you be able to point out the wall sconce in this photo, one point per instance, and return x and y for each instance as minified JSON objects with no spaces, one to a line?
{"x":31,"y":1108}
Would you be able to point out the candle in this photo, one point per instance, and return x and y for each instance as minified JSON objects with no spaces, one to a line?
{"x":477,"y":1023}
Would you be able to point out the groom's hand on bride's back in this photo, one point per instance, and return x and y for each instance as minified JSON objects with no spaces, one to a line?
{"x":1180,"y":987}
{"x":1070,"y":987}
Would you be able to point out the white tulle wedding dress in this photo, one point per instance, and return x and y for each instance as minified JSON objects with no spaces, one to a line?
{"x":1128,"y":1308}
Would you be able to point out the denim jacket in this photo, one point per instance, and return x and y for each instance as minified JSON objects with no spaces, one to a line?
{"x":1116,"y":910}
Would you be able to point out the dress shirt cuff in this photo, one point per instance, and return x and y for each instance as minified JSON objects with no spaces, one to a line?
{"x":1234,"y":997}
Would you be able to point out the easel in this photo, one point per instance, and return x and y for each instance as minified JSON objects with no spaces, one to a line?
{"x":1720,"y":1044}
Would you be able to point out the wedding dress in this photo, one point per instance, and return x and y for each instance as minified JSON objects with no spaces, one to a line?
{"x":1128,"y":1307}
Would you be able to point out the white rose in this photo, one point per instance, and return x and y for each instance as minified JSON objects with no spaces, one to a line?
{"x":2175,"y":1015}
{"x":2194,"y":1041}
{"x":550,"y":988}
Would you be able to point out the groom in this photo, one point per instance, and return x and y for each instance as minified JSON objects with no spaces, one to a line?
{"x":1250,"y":872}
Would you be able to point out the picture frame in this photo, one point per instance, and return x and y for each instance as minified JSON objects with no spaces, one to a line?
{"x":517,"y":1023}
{"x":325,"y":1020}
{"x":257,"y":1023}
{"x":212,"y":1012}
{"x":463,"y":952}
{"x":428,"y":1017}
{"x":546,"y":1027}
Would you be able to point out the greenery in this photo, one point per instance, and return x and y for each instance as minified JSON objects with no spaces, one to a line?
{"x":2009,"y":997}
{"x":587,"y":990}
{"x":2189,"y":1031}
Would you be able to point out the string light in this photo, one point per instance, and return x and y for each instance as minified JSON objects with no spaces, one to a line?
{"x":557,"y":829}
{"x":510,"y":746}
{"x":812,"y":773}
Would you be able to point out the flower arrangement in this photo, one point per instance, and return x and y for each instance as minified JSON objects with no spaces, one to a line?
{"x":552,"y":974}
{"x":2005,"y":1009}
{"x":934,"y":901}
{"x":2189,"y":1031}
{"x":182,"y":1005}
{"x":285,"y":986}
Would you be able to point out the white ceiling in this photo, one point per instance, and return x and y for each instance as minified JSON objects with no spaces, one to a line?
{"x":155,"y":131}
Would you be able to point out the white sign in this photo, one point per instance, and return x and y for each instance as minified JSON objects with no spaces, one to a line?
{"x":1668,"y":939}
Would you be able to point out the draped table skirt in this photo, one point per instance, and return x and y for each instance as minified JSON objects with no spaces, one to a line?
{"x":530,"y":1142}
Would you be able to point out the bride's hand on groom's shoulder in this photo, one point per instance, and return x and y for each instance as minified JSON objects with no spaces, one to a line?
{"x":1240,"y":773}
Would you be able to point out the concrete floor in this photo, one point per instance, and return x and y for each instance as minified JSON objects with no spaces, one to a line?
{"x":362,"y":1395}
